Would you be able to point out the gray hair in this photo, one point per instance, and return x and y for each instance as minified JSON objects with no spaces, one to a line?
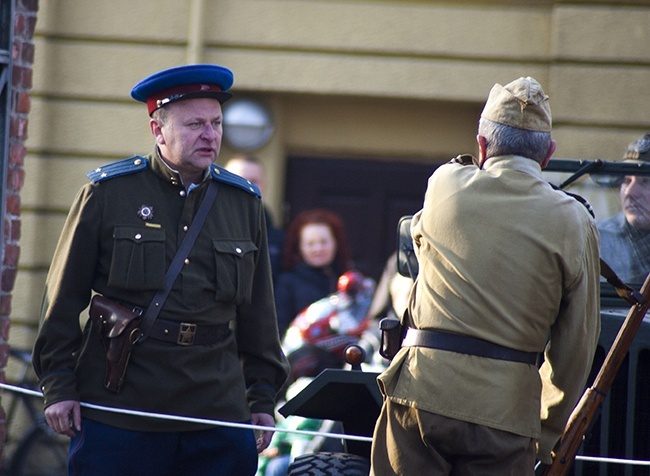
{"x":507,"y":140}
{"x":160,"y":115}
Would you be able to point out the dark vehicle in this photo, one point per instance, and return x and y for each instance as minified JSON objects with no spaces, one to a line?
{"x":324,"y":337}
{"x":350,"y":397}
{"x":621,"y":428}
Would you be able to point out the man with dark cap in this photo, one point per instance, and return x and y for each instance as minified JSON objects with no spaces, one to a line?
{"x":625,"y":237}
{"x":506,"y":263}
{"x":211,"y":351}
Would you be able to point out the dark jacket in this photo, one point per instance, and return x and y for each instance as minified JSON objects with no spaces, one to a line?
{"x":276,"y":240}
{"x":108,"y":247}
{"x":297,"y":289}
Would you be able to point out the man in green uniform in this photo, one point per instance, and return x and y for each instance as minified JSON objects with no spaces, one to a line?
{"x":121,"y":235}
{"x":508,"y":268}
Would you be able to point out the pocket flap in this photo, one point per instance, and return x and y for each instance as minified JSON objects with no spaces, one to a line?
{"x":138,"y":235}
{"x":236,"y":248}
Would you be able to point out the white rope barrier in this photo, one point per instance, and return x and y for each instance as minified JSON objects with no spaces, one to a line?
{"x":598,"y":459}
{"x":165,"y":416}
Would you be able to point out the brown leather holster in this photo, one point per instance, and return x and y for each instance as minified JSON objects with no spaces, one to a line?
{"x":118,"y":329}
{"x":392,"y":335}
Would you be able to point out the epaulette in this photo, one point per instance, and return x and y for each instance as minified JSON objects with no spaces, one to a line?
{"x":224,"y":176}
{"x":117,"y":168}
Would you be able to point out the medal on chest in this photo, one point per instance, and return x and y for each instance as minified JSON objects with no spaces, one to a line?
{"x":145,"y":212}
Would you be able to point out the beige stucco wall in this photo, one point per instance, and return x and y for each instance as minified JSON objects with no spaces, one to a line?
{"x":382,"y":79}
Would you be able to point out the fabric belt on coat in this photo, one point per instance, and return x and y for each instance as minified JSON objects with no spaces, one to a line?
{"x":185,"y":333}
{"x":466,"y":345}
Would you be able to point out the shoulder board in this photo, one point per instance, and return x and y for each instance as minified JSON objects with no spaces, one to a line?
{"x":224,"y":176}
{"x":117,"y":168}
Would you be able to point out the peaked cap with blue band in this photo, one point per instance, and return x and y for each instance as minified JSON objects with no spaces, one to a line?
{"x":159,"y":89}
{"x":184,"y":82}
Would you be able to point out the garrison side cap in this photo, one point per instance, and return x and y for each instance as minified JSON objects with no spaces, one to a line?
{"x":184,"y":82}
{"x":639,"y":150}
{"x":117,"y":168}
{"x":224,"y":176}
{"x":522,"y":103}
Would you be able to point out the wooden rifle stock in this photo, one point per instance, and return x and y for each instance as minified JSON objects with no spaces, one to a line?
{"x":592,"y":398}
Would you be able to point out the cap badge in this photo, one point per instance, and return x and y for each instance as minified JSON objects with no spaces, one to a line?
{"x":145,"y":212}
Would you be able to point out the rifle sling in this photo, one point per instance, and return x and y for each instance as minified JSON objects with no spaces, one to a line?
{"x":631,"y":296}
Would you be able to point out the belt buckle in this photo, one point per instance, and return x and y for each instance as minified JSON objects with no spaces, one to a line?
{"x":186,"y":333}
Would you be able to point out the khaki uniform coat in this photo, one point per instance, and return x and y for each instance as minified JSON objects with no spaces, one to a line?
{"x":505,"y":258}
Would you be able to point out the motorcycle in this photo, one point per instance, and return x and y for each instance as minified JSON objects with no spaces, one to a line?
{"x":316,"y":341}
{"x":318,"y":336}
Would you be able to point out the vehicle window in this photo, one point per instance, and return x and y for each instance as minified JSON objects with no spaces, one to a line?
{"x":619,"y":194}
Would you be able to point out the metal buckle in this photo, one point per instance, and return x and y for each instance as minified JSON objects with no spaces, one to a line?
{"x":186,"y":334}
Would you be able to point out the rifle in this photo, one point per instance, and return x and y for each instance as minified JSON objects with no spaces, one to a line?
{"x":593,"y":397}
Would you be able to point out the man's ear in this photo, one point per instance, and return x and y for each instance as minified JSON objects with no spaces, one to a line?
{"x":482,"y":150}
{"x":549,"y":154}
{"x":156,"y":130}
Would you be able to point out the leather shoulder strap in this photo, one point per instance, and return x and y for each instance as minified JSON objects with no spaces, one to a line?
{"x":159,"y":299}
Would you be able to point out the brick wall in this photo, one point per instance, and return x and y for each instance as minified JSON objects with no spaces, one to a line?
{"x":24,"y":22}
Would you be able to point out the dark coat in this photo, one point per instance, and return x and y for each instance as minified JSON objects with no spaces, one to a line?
{"x":297,"y":289}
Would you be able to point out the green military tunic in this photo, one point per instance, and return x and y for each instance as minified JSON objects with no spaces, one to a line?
{"x":119,"y":239}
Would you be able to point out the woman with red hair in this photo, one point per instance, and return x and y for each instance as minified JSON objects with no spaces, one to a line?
{"x":315,"y":254}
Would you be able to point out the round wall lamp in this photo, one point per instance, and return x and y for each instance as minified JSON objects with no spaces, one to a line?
{"x":248,"y":125}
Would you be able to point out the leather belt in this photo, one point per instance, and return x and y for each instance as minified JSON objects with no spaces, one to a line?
{"x":466,"y":345}
{"x":186,"y":333}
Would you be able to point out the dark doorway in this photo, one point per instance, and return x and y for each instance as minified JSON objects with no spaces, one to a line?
{"x":369,"y":195}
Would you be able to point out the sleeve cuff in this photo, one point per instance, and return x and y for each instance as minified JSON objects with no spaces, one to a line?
{"x":58,"y":386}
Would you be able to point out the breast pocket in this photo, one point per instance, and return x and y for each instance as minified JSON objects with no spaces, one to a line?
{"x":138,"y":261}
{"x":235,"y":267}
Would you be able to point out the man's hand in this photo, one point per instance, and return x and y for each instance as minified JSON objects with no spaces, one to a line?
{"x":264,"y":438}
{"x":465,"y":159}
{"x":64,"y":417}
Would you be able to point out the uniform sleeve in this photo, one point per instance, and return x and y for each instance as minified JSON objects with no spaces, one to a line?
{"x":264,"y":364}
{"x":572,"y":344}
{"x":66,"y":295}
